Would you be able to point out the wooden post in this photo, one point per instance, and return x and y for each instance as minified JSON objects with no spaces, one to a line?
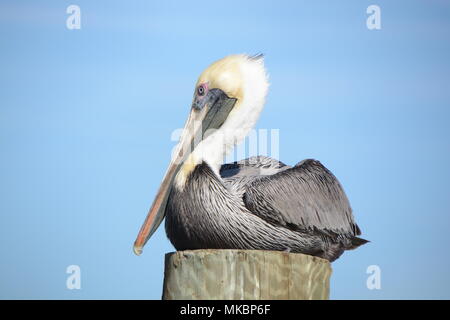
{"x":245,"y":274}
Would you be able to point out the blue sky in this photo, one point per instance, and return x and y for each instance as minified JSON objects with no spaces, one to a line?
{"x":86,"y":118}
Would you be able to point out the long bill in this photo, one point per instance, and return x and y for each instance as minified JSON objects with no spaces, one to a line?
{"x":191,"y":135}
{"x":208,"y":113}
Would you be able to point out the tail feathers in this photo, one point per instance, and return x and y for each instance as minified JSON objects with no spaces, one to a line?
{"x":356,"y":242}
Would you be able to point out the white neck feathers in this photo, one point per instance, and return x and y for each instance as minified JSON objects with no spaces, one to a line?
{"x":242,"y":118}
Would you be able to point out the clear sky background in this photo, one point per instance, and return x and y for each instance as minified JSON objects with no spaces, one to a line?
{"x":86,"y":118}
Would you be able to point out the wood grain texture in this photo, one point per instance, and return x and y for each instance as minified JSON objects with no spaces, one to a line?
{"x":245,"y":274}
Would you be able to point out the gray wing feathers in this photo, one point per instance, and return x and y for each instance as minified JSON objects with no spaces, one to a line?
{"x":240,"y":174}
{"x":253,"y":166}
{"x":305,"y":197}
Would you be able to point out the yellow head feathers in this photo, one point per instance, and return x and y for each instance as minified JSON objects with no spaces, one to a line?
{"x":231,"y":73}
{"x":240,"y":77}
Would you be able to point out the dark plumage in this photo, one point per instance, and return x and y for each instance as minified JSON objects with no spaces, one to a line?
{"x":257,"y":203}
{"x":261,"y":203}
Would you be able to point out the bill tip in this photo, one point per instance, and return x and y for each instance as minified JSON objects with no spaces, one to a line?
{"x":137,"y":250}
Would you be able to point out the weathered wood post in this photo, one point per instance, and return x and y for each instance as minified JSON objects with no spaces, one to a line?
{"x":245,"y":274}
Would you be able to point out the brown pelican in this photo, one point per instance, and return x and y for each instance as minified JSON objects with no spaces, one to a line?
{"x":257,"y":203}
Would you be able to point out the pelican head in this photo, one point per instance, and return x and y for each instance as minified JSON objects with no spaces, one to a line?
{"x":228,"y":98}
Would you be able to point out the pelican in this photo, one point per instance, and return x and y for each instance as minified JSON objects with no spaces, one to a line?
{"x":258,"y":203}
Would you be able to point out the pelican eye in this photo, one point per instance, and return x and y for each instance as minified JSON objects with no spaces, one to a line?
{"x":201,"y":90}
